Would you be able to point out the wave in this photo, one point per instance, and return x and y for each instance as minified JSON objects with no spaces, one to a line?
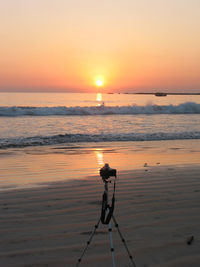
{"x":77,"y":138}
{"x":184,"y":108}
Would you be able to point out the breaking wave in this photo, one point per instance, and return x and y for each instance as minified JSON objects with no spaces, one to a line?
{"x":185,"y":108}
{"x":76,"y":138}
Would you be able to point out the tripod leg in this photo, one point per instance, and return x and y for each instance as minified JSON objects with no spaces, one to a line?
{"x":123,"y":241}
{"x":88,"y":242}
{"x":111,"y":243}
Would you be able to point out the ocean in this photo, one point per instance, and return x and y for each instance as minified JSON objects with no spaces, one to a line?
{"x":48,"y":137}
{"x":29,"y":119}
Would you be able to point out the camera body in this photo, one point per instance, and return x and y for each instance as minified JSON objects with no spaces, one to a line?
{"x":106,"y":172}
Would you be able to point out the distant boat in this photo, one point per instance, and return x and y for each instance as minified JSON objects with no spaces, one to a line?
{"x":160,"y":94}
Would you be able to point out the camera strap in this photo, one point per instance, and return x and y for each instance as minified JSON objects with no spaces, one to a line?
{"x":106,"y":209}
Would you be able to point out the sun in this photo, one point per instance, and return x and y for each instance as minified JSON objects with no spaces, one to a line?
{"x":99,"y":83}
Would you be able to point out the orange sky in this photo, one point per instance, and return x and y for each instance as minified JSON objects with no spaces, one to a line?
{"x":134,"y":45}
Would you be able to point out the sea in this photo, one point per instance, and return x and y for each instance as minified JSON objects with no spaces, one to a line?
{"x":29,"y":119}
{"x":74,"y":124}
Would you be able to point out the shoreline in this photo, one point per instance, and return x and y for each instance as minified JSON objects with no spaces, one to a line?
{"x":40,"y":166}
{"x":96,"y":178}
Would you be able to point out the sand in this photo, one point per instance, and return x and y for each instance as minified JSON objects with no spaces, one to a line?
{"x":157,"y":209}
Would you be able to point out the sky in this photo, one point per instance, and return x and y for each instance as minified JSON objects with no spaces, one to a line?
{"x":132,"y":46}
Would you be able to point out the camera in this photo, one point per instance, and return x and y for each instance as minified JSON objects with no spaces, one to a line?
{"x":107,"y":172}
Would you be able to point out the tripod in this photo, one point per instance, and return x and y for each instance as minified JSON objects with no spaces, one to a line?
{"x":105,"y":218}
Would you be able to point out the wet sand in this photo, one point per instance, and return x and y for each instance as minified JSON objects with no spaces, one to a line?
{"x":157,"y":209}
{"x":40,"y":166}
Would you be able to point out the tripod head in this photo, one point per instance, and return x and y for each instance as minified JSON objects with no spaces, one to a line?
{"x":106,"y":172}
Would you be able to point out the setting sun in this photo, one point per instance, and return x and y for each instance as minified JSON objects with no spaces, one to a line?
{"x":99,"y":83}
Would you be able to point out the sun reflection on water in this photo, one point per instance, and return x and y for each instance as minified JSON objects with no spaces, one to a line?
{"x":99,"y":99}
{"x":99,"y":156}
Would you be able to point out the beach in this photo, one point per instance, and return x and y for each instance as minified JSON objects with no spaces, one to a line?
{"x":157,"y":209}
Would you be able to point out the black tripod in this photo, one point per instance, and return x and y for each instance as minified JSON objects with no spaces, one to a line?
{"x":106,"y":216}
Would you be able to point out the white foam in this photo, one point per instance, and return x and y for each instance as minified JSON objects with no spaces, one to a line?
{"x":185,"y":108}
{"x":76,"y":138}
